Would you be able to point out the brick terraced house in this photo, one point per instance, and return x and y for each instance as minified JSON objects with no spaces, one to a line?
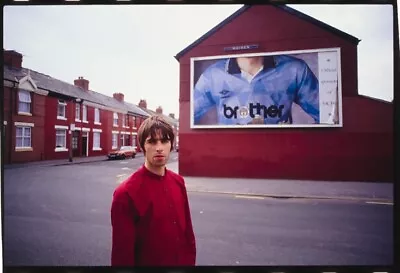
{"x":41,"y":112}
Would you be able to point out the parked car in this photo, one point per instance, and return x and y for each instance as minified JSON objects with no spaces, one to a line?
{"x":123,"y":152}
{"x":177,"y":147}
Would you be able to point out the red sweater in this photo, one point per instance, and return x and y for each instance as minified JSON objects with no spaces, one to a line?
{"x":151,"y":222}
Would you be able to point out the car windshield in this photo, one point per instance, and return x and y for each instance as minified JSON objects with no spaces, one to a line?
{"x":124,"y":148}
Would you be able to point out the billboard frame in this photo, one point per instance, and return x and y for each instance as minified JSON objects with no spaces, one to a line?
{"x":258,"y":126}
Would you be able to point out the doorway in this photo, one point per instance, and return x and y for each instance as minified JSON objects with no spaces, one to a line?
{"x":84,"y":143}
{"x":75,"y":144}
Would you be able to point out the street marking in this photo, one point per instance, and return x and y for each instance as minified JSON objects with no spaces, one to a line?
{"x":380,"y":203}
{"x":121,"y":178}
{"x":126,"y":169}
{"x":249,"y":197}
{"x":281,"y":196}
{"x":124,"y":162}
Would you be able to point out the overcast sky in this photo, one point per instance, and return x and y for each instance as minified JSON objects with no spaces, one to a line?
{"x":131,"y":49}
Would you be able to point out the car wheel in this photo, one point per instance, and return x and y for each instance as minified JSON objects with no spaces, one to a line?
{"x":133,"y":156}
{"x":123,"y":156}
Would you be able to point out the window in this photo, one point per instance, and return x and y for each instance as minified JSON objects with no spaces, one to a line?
{"x":24,"y":101}
{"x":123,"y":121}
{"x":135,"y":120}
{"x":77,"y":112}
{"x":61,"y":138}
{"x":23,"y":137}
{"x":96,"y":115}
{"x":115,"y":119}
{"x":96,"y":141}
{"x":127,"y":140}
{"x":75,"y":142}
{"x":122,"y":140}
{"x":61,"y":109}
{"x":133,"y":140}
{"x":114,"y":141}
{"x":84,"y":114}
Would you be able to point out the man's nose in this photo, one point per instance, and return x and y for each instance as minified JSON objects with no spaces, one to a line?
{"x":159,"y":146}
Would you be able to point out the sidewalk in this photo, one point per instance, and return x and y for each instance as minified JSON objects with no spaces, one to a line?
{"x":61,"y":162}
{"x":277,"y":188}
{"x":355,"y":191}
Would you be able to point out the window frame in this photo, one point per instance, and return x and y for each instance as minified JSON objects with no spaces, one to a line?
{"x":23,"y":137}
{"x":64,"y":105}
{"x":115,"y":119}
{"x":62,"y":148}
{"x":114,"y":140}
{"x":84,"y":114}
{"x":97,"y":116}
{"x":21,"y":91}
{"x":95,"y":148}
{"x":77,"y":112}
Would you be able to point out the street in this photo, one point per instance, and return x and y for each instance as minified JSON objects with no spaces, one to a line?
{"x":60,"y":215}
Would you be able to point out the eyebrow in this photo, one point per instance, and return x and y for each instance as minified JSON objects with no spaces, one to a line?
{"x":162,"y":138}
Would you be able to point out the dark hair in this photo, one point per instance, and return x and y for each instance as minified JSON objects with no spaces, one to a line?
{"x":151,"y":126}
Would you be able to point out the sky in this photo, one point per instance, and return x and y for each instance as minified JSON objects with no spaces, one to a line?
{"x":131,"y":49}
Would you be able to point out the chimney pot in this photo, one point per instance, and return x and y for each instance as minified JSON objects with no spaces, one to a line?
{"x":159,"y":110}
{"x":119,"y":97}
{"x":82,"y":83}
{"x":143,"y":104}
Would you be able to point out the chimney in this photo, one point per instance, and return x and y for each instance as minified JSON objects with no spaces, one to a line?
{"x":159,"y":110}
{"x":12,"y":59}
{"x":143,"y":104}
{"x":171,"y":115}
{"x":119,"y":97}
{"x":82,"y":83}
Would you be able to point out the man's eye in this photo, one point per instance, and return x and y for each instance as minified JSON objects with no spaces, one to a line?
{"x":165,"y":140}
{"x":151,"y":141}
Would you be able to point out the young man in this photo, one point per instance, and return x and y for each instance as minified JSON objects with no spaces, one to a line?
{"x":150,"y":216}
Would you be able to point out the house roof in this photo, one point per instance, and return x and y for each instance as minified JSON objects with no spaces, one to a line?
{"x":57,"y":86}
{"x":285,"y":8}
{"x":170,"y":120}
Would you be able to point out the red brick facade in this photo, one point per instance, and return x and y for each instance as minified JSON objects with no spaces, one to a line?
{"x":362,"y":150}
{"x":44,"y":133}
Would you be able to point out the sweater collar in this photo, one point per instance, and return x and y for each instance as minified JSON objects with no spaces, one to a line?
{"x":153,"y":175}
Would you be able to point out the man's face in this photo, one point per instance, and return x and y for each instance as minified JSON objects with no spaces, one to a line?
{"x":157,"y":150}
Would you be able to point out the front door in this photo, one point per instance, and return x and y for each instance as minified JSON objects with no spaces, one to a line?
{"x":84,"y":144}
{"x":75,"y":143}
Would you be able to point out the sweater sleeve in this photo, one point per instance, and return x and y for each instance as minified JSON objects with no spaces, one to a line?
{"x":189,"y":231}
{"x":123,"y":230}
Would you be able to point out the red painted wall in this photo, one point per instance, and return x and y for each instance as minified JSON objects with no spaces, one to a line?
{"x":360,"y":151}
{"x":11,"y":116}
{"x":51,"y":121}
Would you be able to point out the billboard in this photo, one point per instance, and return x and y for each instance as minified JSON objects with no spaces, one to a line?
{"x":260,"y":90}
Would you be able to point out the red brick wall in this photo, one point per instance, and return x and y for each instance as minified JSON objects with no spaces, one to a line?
{"x":360,"y":151}
{"x":11,"y":116}
{"x":51,"y":122}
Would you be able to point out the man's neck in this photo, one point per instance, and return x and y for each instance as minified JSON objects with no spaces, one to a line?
{"x":250,"y":66}
{"x":156,"y":170}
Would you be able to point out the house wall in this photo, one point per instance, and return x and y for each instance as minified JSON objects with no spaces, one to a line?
{"x":11,"y":154}
{"x":50,"y":131}
{"x":362,"y":150}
